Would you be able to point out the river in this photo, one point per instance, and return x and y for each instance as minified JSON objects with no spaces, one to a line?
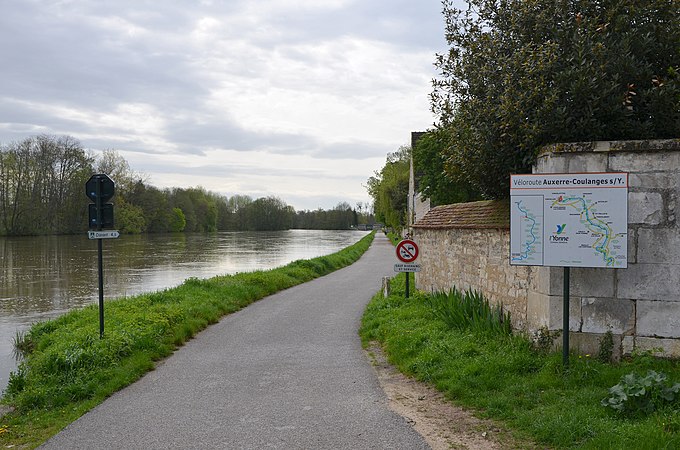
{"x":43,"y":277}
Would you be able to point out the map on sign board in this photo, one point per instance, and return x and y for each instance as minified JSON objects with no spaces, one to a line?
{"x":569,"y":220}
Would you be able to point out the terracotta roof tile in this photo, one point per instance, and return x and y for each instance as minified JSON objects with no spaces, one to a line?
{"x":483,"y":214}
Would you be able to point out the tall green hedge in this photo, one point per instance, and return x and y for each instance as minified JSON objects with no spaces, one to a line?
{"x":520,"y":74}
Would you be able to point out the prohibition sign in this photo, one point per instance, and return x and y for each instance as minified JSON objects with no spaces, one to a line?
{"x":407,"y":251}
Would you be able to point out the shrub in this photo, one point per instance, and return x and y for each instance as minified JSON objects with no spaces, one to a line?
{"x":521,"y":74}
{"x":636,"y":395}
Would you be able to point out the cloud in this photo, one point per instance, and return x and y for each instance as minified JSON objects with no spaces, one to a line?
{"x":338,"y":81}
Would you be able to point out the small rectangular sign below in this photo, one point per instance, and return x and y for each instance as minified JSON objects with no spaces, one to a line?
{"x":105,"y":234}
{"x":405,"y":267}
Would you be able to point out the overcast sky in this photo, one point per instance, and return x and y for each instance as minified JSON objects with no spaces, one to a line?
{"x":299,"y":99}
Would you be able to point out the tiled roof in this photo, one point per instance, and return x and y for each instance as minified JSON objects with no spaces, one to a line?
{"x":484,"y":214}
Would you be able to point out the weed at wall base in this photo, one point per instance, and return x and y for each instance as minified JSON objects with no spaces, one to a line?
{"x":469,"y":310}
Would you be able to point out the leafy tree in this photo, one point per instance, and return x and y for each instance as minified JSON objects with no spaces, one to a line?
{"x":41,"y":186}
{"x":268,"y":214}
{"x":177,"y":221}
{"x":342,"y":217}
{"x":389,"y":189}
{"x":154,"y":204}
{"x":429,"y":165}
{"x":237,"y":206}
{"x":520,"y":74}
{"x":129,"y":218}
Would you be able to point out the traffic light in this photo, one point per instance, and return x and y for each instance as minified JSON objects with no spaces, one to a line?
{"x":100,"y":188}
{"x":106,"y":216}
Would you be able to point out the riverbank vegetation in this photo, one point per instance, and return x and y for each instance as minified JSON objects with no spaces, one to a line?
{"x":522,"y":382}
{"x":67,"y":369}
{"x":42,"y":191}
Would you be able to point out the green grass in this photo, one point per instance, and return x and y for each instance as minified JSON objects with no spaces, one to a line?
{"x":394,"y":237}
{"x":503,"y":377}
{"x":68,"y":369}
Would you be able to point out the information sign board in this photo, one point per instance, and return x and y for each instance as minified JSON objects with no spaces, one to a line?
{"x":569,"y":220}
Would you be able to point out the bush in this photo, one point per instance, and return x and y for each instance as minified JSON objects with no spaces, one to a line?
{"x":636,"y":395}
{"x":521,"y":74}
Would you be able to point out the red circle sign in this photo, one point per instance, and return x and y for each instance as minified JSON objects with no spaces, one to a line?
{"x":407,"y":251}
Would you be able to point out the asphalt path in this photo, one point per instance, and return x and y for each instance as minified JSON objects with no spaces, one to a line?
{"x":286,"y":372}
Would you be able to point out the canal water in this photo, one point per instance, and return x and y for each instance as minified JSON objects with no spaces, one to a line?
{"x":43,"y":277}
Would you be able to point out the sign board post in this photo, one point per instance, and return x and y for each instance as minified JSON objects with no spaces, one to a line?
{"x":407,"y":253}
{"x":569,"y":220}
{"x":100,"y":188}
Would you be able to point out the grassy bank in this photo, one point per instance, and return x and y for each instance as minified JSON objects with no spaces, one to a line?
{"x":512,"y":379}
{"x":67,"y":369}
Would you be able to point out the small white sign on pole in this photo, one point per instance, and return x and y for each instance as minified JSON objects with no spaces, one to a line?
{"x":406,"y":267}
{"x":105,"y":234}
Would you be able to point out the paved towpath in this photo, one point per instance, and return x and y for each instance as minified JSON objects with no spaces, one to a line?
{"x":286,"y":372}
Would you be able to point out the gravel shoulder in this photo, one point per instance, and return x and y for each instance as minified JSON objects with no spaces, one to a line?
{"x":442,"y":424}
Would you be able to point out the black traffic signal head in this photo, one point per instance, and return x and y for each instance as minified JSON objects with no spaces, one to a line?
{"x":106,"y":216}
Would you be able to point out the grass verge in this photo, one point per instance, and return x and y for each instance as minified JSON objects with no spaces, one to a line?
{"x":506,"y":378}
{"x":68,"y":370}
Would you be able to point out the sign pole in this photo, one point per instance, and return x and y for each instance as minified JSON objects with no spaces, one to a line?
{"x":565,"y":319}
{"x":408,"y":275}
{"x":100,"y":260}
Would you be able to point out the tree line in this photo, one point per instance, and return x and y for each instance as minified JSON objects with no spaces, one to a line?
{"x":42,"y":191}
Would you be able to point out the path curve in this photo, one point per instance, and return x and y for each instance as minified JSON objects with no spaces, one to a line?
{"x":286,"y":372}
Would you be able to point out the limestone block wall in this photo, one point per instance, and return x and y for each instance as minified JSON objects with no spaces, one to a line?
{"x":473,"y":259}
{"x":640,"y":304}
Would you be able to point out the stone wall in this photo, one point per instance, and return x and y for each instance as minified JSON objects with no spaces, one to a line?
{"x":467,"y":245}
{"x":640,"y":304}
{"x":473,"y":259}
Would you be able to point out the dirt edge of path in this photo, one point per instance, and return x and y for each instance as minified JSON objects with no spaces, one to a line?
{"x":442,"y":424}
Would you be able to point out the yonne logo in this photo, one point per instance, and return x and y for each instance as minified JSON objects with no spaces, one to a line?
{"x":555,"y":237}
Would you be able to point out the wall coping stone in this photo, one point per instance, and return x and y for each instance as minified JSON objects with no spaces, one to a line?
{"x":612,"y":146}
{"x":480,"y":215}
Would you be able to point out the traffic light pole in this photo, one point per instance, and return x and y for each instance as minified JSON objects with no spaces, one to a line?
{"x":100,"y":259}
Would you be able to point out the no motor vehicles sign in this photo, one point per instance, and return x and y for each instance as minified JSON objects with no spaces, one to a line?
{"x":407,"y":251}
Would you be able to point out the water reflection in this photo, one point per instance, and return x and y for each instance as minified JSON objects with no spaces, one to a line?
{"x":43,"y":277}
